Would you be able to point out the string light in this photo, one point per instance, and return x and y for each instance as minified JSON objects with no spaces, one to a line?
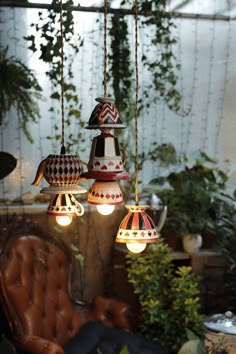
{"x":221,"y":101}
{"x":182,"y":90}
{"x":205,"y":120}
{"x":193,"y":88}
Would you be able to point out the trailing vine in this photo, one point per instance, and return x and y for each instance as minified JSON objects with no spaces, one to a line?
{"x":19,"y":89}
{"x":49,"y":49}
{"x":162,"y":67}
{"x":162,"y":64}
{"x":121,"y":79}
{"x":121,"y":72}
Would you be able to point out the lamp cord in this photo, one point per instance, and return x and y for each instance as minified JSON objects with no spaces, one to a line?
{"x":136,"y":101}
{"x":105,"y":48}
{"x":62,"y":84}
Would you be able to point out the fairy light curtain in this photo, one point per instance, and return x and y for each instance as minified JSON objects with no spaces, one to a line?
{"x":208,"y":64}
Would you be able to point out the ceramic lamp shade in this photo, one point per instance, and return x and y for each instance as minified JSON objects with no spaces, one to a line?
{"x":105,"y":115}
{"x":106,"y":160}
{"x":105,"y":192}
{"x":65,"y":205}
{"x":137,"y":226}
{"x":75,"y":189}
{"x":62,"y":172}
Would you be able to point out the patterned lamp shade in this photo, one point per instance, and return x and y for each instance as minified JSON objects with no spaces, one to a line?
{"x":65,"y":204}
{"x":137,"y":226}
{"x":105,"y":192}
{"x":62,"y":172}
{"x":106,"y":160}
{"x":105,"y":115}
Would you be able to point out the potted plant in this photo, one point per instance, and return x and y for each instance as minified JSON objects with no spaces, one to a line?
{"x":192,"y":194}
{"x":169,"y":298}
{"x":226,"y":237}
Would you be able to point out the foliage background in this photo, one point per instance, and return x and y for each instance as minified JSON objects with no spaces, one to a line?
{"x":204,"y":128}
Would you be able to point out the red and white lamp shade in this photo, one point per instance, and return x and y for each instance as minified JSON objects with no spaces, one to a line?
{"x":64,"y":207}
{"x":107,"y":159}
{"x":105,"y":115}
{"x":63,"y":173}
{"x":105,"y":195}
{"x":137,"y":229}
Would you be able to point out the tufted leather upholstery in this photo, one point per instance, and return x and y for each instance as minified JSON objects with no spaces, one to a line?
{"x":34,"y":275}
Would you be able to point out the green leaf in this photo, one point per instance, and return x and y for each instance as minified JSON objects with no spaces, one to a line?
{"x":124,"y":350}
{"x":190,"y":334}
{"x":55,"y":95}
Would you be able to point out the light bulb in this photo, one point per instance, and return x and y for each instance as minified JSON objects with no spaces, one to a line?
{"x":136,"y":247}
{"x":64,"y":220}
{"x":105,"y":209}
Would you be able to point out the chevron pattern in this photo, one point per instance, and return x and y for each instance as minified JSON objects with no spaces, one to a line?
{"x":105,"y":113}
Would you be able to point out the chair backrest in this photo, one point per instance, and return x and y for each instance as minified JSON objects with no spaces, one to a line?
{"x":35,"y":275}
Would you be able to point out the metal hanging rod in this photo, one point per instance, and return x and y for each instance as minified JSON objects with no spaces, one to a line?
{"x":25,"y":4}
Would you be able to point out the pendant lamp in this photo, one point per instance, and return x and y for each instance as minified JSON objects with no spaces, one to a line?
{"x":107,"y":158}
{"x":62,"y":171}
{"x":137,"y":228}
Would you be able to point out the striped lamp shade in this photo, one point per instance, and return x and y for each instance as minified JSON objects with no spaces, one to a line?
{"x":137,"y":226}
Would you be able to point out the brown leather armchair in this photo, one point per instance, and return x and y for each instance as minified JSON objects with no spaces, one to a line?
{"x":34,"y":288}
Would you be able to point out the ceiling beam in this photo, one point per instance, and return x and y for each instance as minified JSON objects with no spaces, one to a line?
{"x":25,"y":4}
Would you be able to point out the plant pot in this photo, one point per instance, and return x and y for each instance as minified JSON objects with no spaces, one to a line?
{"x":192,"y":243}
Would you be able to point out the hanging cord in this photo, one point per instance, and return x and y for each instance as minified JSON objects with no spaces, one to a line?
{"x":136,"y":100}
{"x":62,"y":84}
{"x":105,"y":48}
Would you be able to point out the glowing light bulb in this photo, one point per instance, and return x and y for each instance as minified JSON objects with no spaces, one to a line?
{"x":105,"y":209}
{"x":64,"y":220}
{"x":136,"y":247}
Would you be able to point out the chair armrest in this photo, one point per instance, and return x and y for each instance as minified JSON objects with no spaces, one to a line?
{"x":37,"y":345}
{"x":112,"y":312}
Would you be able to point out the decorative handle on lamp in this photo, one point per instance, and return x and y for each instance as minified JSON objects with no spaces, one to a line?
{"x":80,"y":209}
{"x":162,"y":219}
{"x":123,"y":155}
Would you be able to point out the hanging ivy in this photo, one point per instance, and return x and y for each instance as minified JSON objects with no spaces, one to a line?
{"x":49,"y":48}
{"x":162,"y":65}
{"x":19,"y":89}
{"x":120,"y":76}
{"x":121,"y":72}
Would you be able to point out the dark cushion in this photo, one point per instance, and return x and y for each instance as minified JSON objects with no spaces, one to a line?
{"x":95,"y":335}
